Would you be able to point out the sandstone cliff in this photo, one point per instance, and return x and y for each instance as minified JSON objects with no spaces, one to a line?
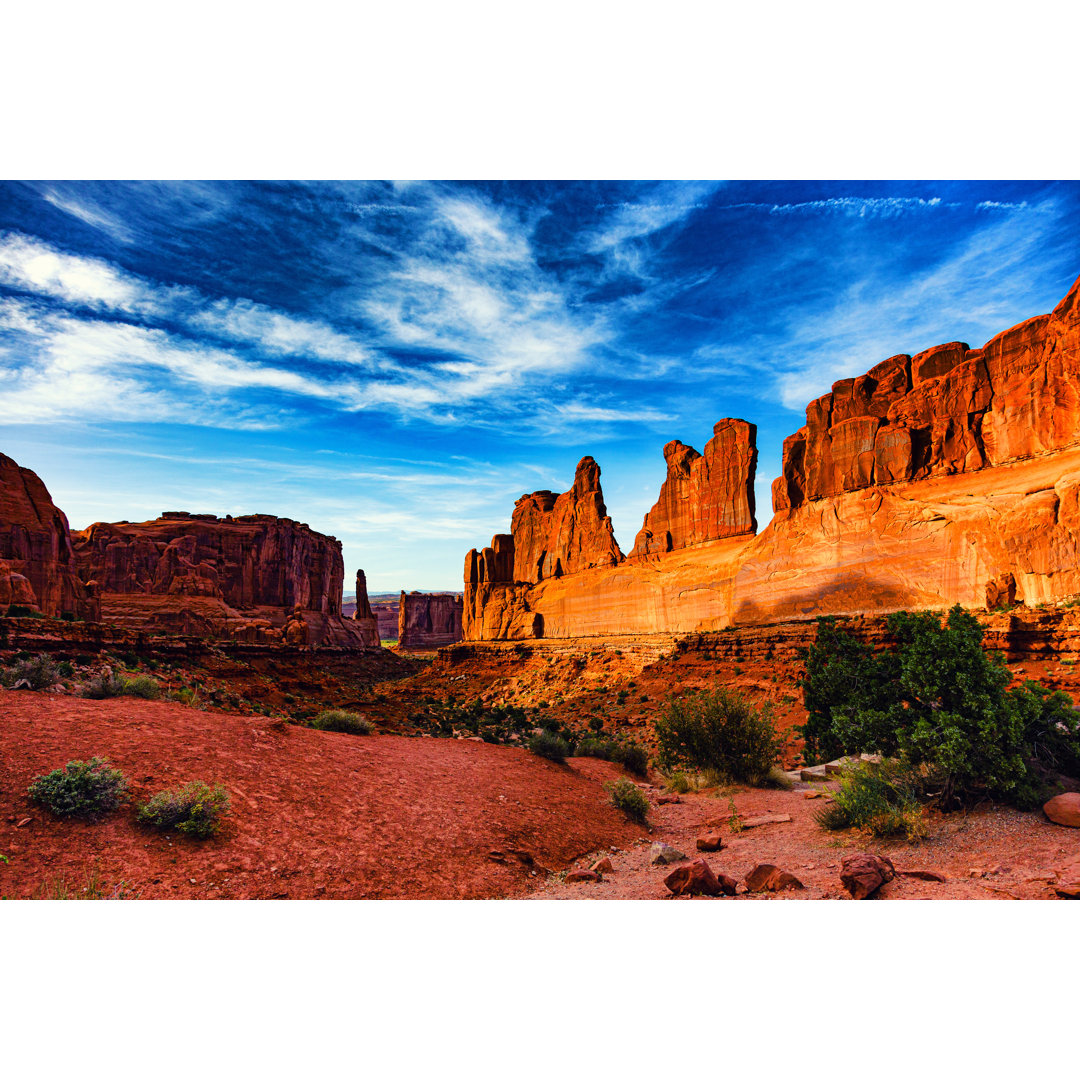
{"x":950,"y":476}
{"x":255,"y":577}
{"x":552,"y":535}
{"x":37,"y":563}
{"x":706,"y":496}
{"x":426,"y":620}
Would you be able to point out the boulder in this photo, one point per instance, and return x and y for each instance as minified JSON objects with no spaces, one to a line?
{"x":697,"y":879}
{"x":768,"y":878}
{"x":1064,"y":809}
{"x":863,"y":874}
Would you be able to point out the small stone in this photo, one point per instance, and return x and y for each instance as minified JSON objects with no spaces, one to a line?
{"x":602,"y":866}
{"x":710,"y":842}
{"x":576,"y":876}
{"x":25,"y":821}
{"x":668,"y":797}
{"x":660,"y":854}
{"x":765,"y":819}
{"x":811,"y":794}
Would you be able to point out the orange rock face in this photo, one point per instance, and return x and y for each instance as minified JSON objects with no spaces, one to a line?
{"x":951,"y":476}
{"x":950,"y":409}
{"x":426,"y":620}
{"x":254,"y":577}
{"x":37,"y":562}
{"x":706,"y":496}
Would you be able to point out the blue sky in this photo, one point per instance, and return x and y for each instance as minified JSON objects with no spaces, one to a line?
{"x":395,"y":363}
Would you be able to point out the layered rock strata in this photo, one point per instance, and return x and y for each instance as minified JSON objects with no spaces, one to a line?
{"x":951,"y":476}
{"x":427,"y":620}
{"x":37,"y":561}
{"x":707,"y":496}
{"x":254,"y":577}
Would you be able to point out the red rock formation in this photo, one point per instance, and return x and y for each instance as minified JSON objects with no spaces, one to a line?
{"x":562,"y":534}
{"x":949,"y":477}
{"x":37,"y":564}
{"x":362,"y":612}
{"x":244,"y":577}
{"x":426,"y":620}
{"x":947,"y":410}
{"x":706,"y":496}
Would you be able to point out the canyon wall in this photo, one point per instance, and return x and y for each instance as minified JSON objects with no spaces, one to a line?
{"x":254,"y":577}
{"x":950,"y":476}
{"x":427,"y":620}
{"x":37,"y":562}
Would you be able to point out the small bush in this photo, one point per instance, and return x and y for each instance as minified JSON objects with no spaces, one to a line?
{"x":185,"y":696}
{"x":102,"y":686}
{"x":195,"y":809}
{"x":39,"y":671}
{"x":884,"y":800}
{"x":629,"y":798}
{"x":143,"y":686}
{"x":340,"y":720}
{"x":678,"y":782}
{"x":718,"y":729}
{"x":633,"y":757}
{"x":548,"y":745}
{"x":80,"y":789}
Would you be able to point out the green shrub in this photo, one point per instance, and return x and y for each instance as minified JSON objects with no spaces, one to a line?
{"x":883,"y":799}
{"x":195,"y":809}
{"x":629,"y":798}
{"x":39,"y":671}
{"x":143,"y":686}
{"x":718,"y":729}
{"x":102,"y":686}
{"x":547,"y":744}
{"x":633,"y":757}
{"x":678,"y":782}
{"x":938,"y":699}
{"x":82,"y":789}
{"x":185,"y":696}
{"x":340,"y":720}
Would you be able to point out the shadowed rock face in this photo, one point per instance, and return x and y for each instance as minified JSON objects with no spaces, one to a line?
{"x":37,"y":562}
{"x":426,"y":620}
{"x":251,"y":577}
{"x":706,"y":496}
{"x":951,"y":476}
{"x":950,"y":409}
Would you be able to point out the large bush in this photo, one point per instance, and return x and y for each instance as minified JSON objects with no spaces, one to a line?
{"x":82,"y":789}
{"x":937,"y":698}
{"x":196,"y":809}
{"x":718,"y":729}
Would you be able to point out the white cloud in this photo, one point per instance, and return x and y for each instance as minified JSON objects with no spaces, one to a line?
{"x":90,"y":215}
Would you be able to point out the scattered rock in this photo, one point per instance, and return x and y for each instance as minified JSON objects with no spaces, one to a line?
{"x":602,"y":866}
{"x":1064,"y":809}
{"x":660,"y":854}
{"x":496,"y":856}
{"x":922,"y":875}
{"x":768,"y":878}
{"x":582,"y":875}
{"x":864,"y":874}
{"x":697,"y":878}
{"x":668,"y":797}
{"x":811,"y":794}
{"x":710,"y":842}
{"x":765,"y":819}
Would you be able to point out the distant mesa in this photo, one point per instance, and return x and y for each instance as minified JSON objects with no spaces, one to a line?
{"x":951,"y":476}
{"x":428,"y":620}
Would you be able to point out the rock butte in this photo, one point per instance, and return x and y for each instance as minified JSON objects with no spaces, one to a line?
{"x":951,"y":476}
{"x":37,"y":562}
{"x":426,"y":620}
{"x":256,"y":578}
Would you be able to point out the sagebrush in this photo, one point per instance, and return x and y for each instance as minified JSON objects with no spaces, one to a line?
{"x":342,"y":720}
{"x":882,"y":799}
{"x":81,"y":789}
{"x":196,"y":809}
{"x":718,"y":729}
{"x":629,"y":798}
{"x":549,"y":745}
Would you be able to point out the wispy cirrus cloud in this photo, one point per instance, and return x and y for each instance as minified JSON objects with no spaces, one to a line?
{"x":90,"y":215}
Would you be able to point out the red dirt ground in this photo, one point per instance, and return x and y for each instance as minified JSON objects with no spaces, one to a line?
{"x":314,"y":814}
